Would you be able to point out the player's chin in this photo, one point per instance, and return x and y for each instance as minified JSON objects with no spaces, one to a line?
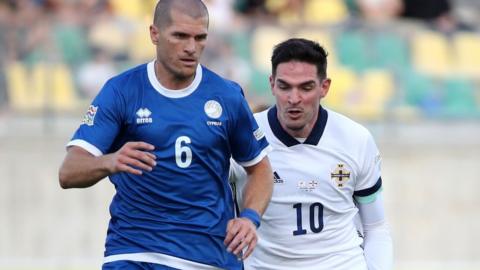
{"x":295,"y":125}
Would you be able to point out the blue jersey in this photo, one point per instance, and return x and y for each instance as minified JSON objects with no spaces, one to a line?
{"x":177,"y":214}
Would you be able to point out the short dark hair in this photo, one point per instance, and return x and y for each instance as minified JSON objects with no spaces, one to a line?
{"x":193,"y":8}
{"x":303,"y":50}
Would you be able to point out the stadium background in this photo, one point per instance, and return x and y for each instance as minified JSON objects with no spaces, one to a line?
{"x":413,"y":83}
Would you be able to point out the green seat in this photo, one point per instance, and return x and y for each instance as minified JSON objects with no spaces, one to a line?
{"x":390,"y":52}
{"x":422,"y":92}
{"x":352,"y":50}
{"x":459,"y":98}
{"x":72,"y":44}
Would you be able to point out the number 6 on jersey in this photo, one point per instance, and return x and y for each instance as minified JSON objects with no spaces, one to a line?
{"x":180,"y":150}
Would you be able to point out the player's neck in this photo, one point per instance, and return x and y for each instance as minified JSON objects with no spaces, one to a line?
{"x":169,"y":80}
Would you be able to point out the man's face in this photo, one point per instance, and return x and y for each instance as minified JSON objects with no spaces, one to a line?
{"x":298,"y":91}
{"x":180,"y":44}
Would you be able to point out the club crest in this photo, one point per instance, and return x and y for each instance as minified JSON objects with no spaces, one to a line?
{"x":340,"y":175}
{"x":213,"y":109}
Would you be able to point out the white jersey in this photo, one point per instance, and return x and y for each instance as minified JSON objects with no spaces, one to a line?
{"x":309,"y":223}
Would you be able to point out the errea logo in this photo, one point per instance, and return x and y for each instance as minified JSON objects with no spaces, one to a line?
{"x":144,"y":116}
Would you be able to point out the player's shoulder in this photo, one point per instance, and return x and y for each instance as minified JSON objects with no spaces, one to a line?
{"x":341,"y":124}
{"x":133,"y":73}
{"x":221,"y":84}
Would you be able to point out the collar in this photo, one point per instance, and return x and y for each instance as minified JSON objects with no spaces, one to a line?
{"x":312,"y":139}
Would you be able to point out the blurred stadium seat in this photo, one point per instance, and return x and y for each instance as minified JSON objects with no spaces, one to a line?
{"x":342,"y":89}
{"x":422,"y":93}
{"x":377,"y":88}
{"x":264,"y":38}
{"x":140,"y":47}
{"x":325,"y":12}
{"x":16,"y":75}
{"x":466,"y":46}
{"x":64,"y":97}
{"x":133,"y":9}
{"x":390,"y":51}
{"x":459,"y":98}
{"x":431,"y":53}
{"x":353,"y":50}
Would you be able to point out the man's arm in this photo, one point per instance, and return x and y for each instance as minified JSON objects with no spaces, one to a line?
{"x":377,"y":244}
{"x":81,"y":169}
{"x":241,"y":232}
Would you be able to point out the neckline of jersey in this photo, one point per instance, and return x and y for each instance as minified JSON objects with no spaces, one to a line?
{"x":312,"y":139}
{"x":180,"y":93}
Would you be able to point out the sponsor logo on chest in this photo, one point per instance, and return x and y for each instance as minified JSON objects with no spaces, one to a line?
{"x":143,"y":116}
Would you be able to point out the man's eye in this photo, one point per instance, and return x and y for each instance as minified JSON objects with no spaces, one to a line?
{"x":180,"y":35}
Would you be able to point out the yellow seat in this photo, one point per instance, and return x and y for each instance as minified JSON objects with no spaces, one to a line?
{"x":466,"y":47}
{"x":376,"y":91}
{"x":109,"y":36}
{"x":16,"y":77}
{"x":325,"y":11}
{"x":140,"y":46}
{"x":263,"y":40}
{"x":37,"y":93}
{"x":431,"y":54}
{"x":63,"y":96}
{"x":342,"y":89}
{"x":133,"y":9}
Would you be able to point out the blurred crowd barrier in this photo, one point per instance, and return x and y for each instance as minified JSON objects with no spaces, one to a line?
{"x":58,"y":54}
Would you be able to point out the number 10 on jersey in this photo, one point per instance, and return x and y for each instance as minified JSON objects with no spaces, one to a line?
{"x":315,"y":216}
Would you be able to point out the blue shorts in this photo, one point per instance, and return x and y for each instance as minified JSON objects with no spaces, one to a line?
{"x":131,"y":265}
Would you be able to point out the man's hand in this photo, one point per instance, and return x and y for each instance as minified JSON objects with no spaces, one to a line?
{"x":132,"y":158}
{"x":241,"y":233}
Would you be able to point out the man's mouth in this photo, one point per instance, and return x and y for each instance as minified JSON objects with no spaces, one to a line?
{"x":294,"y":113}
{"x":188,"y":61}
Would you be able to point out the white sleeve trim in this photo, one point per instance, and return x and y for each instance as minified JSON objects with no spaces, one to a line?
{"x":256,"y":160}
{"x":92,"y":149}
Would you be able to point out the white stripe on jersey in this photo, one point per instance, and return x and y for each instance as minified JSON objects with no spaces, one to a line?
{"x":159,"y":258}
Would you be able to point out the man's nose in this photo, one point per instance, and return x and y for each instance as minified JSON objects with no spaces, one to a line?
{"x":190,"y":46}
{"x":294,"y":97}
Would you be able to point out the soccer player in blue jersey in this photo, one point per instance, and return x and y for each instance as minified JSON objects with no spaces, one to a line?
{"x":164,"y":133}
{"x":326,"y":173}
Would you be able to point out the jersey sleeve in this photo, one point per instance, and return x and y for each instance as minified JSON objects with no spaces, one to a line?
{"x":369,"y":182}
{"x":248,"y":143}
{"x":101,"y":123}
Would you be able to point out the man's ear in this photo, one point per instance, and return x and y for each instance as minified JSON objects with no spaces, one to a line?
{"x":154,"y":32}
{"x":325,"y":86}
{"x":272,"y":83}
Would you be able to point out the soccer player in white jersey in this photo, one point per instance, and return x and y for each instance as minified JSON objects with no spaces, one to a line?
{"x":326,"y":171}
{"x":164,"y":132}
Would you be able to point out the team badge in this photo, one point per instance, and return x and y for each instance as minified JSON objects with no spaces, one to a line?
{"x":213,"y":109}
{"x":89,"y":117}
{"x":341,"y":175}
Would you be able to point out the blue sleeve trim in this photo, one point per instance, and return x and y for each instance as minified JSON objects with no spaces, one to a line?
{"x":252,"y":215}
{"x":369,"y":191}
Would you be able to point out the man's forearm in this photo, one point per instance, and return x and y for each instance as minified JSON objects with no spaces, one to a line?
{"x":259,"y":187}
{"x":81,"y":169}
